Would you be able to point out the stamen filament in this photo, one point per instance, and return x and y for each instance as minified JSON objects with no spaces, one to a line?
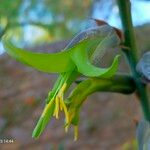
{"x":65,"y":110}
{"x":56,"y":111}
{"x":59,"y":103}
{"x":75,"y":133}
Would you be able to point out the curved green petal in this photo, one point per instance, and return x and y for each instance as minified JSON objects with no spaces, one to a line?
{"x":84,"y":66}
{"x":56,"y":62}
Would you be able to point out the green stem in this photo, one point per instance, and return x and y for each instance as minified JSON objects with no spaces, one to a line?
{"x":131,"y":54}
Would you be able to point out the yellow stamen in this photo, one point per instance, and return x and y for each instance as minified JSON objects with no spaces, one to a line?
{"x":65,"y":110}
{"x":47,"y":107}
{"x":57,"y":108}
{"x":68,"y":122}
{"x":56,"y":111}
{"x":62,"y":89}
{"x":58,"y":99}
{"x":60,"y":104}
{"x":75,"y":133}
{"x":61,"y":101}
{"x":66,"y":128}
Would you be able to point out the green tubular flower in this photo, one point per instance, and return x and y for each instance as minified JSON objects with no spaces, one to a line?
{"x":76,"y":59}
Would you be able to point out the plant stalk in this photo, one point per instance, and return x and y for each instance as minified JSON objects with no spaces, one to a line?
{"x":131,"y":54}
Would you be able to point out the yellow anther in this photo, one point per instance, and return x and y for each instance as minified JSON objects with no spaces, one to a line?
{"x":59,"y":104}
{"x":75,"y":133}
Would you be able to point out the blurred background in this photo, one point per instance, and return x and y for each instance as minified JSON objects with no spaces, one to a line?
{"x":107,"y":120}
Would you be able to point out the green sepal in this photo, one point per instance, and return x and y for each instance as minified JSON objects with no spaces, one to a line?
{"x":75,"y":119}
{"x":43,"y":121}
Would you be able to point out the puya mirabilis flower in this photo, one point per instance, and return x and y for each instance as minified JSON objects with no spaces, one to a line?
{"x":78,"y":58}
